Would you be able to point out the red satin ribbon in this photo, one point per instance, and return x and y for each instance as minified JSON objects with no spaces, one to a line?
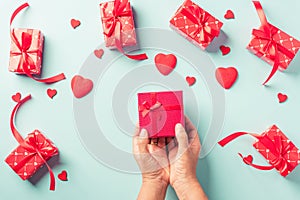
{"x":200,"y":17}
{"x":276,"y":148}
{"x":32,"y":145}
{"x":26,"y":61}
{"x":267,"y":33}
{"x":114,"y":26}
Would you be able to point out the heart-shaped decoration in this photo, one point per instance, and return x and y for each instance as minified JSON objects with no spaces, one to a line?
{"x":248,"y":159}
{"x":225,"y":50}
{"x":16,"y":97}
{"x":51,"y":93}
{"x":165,"y":63}
{"x":81,"y":86}
{"x":226,"y":76}
{"x":190,"y":80}
{"x":75,"y":23}
{"x":99,"y":53}
{"x":63,"y":176}
{"x":229,"y":15}
{"x":282,"y":97}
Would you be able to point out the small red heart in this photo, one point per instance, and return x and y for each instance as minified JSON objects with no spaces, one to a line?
{"x":248,"y":159}
{"x":81,"y":86}
{"x":225,"y":50}
{"x":226,"y":76}
{"x":99,"y":53}
{"x":51,"y":93}
{"x":16,"y":97}
{"x":282,"y":97}
{"x":75,"y":23}
{"x":229,"y":15}
{"x":190,"y":80}
{"x":63,"y":176}
{"x":165,"y":63}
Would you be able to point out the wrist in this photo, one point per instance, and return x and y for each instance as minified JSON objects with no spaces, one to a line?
{"x":152,"y":190}
{"x":189,"y":189}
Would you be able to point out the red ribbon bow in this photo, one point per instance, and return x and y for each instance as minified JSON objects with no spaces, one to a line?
{"x":275,"y":147}
{"x":267,"y":33}
{"x":145,"y":108}
{"x":33,"y":146}
{"x":26,"y":61}
{"x":114,"y":26}
{"x":199,"y":17}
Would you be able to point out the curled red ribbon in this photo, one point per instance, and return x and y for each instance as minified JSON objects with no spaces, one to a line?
{"x":34,"y":147}
{"x":26,"y":61}
{"x":114,"y":26}
{"x":276,"y":148}
{"x":199,"y":17}
{"x":267,"y":33}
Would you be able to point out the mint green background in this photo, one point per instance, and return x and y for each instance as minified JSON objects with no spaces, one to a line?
{"x":249,"y":106}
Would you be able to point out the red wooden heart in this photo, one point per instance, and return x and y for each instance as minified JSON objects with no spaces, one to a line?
{"x":229,"y":15}
{"x":75,"y":23}
{"x":226,"y":76}
{"x":282,"y":97}
{"x":225,"y":50}
{"x":165,"y":63}
{"x":63,"y":176}
{"x":190,"y":80}
{"x":81,"y":86}
{"x":51,"y":93}
{"x":99,"y":53}
{"x":16,"y":97}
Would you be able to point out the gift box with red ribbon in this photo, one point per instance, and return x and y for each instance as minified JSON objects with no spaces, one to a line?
{"x":26,"y":51}
{"x":32,"y":153}
{"x":272,"y":44}
{"x":278,"y":150}
{"x":196,"y":24}
{"x":159,"y":112}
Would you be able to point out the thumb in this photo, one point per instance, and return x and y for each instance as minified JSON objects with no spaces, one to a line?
{"x":141,"y":141}
{"x":182,"y":138}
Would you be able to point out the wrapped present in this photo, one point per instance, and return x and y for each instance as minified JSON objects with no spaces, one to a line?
{"x":118,"y":26}
{"x":277,"y":149}
{"x":195,"y":24}
{"x":159,"y":112}
{"x":272,"y":44}
{"x":26,"y":52}
{"x":32,"y":153}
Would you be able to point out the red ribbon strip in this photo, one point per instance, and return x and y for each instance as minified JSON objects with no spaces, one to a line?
{"x":276,"y":148}
{"x":115,"y":26}
{"x":267,"y":33}
{"x":199,"y":17}
{"x":26,"y":61}
{"x":32,"y":145}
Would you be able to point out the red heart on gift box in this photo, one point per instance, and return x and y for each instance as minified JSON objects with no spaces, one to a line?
{"x":16,"y":97}
{"x":225,"y":50}
{"x":282,"y":97}
{"x":63,"y":176}
{"x":248,"y":159}
{"x":75,"y":23}
{"x":81,"y":86}
{"x":51,"y":93}
{"x":190,"y":80}
{"x":99,"y":53}
{"x":165,"y":63}
{"x":226,"y":76}
{"x":229,"y":15}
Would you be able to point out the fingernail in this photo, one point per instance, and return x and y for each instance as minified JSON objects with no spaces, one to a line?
{"x":178,"y":127}
{"x":143,"y":133}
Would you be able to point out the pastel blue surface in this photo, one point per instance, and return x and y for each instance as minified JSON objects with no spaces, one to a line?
{"x":249,"y":106}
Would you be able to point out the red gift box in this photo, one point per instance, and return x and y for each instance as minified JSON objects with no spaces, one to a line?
{"x":159,"y":112}
{"x":272,"y":144}
{"x":123,"y":12}
{"x":272,"y":44}
{"x":196,"y":24}
{"x":32,"y":153}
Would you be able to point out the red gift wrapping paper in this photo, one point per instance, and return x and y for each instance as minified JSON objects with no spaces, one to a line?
{"x":128,"y":35}
{"x":34,"y":52}
{"x":26,"y":161}
{"x":196,"y":24}
{"x":159,"y":112}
